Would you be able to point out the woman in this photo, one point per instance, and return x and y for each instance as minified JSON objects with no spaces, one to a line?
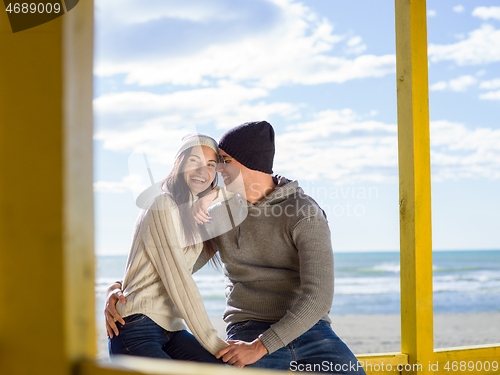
{"x":158,"y":286}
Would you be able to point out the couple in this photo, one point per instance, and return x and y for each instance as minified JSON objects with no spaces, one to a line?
{"x":277,"y":259}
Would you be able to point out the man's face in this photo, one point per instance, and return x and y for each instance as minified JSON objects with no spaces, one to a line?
{"x":231,"y":172}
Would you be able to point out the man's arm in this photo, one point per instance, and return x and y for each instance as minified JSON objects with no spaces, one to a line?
{"x":313,"y":242}
{"x":113,"y":295}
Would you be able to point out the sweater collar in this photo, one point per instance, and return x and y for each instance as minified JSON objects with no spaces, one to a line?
{"x":284,"y":189}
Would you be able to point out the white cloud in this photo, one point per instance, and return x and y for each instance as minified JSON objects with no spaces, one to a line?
{"x":136,"y":139}
{"x":127,"y":12}
{"x":490,"y":85}
{"x":492,"y":95}
{"x":346,"y":147}
{"x":127,"y":184}
{"x":458,"y":152}
{"x":339,"y":145}
{"x":462,"y":83}
{"x":136,"y":122}
{"x":225,"y":95}
{"x":459,"y":84}
{"x":298,"y":47}
{"x":482,"y":46}
{"x":355,"y":46}
{"x":225,"y":105}
{"x":431,"y":13}
{"x":439,"y":86}
{"x":458,"y":8}
{"x":487,"y":12}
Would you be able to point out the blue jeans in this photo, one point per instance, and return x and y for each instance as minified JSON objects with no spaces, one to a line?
{"x":318,"y":350}
{"x":141,"y":336}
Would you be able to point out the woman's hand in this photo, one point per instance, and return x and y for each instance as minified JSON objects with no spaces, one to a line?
{"x":200,"y":207}
{"x":113,"y":295}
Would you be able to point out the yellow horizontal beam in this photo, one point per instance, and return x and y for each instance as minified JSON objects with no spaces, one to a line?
{"x":383,"y":363}
{"x":469,"y":358}
{"x":128,"y":365}
{"x":379,"y":364}
{"x":477,"y":360}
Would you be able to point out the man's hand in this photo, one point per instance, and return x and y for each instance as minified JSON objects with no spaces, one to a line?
{"x":241,"y":353}
{"x":113,"y":295}
{"x":200,"y":207}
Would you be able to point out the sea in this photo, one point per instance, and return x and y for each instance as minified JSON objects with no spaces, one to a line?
{"x":365,"y":283}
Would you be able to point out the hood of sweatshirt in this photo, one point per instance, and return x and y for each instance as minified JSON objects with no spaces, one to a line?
{"x":233,"y":209}
{"x":284,"y":189}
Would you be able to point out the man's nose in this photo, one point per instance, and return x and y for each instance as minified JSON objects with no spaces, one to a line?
{"x":219,"y":167}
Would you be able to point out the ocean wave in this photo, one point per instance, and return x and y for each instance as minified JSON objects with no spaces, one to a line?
{"x":388,"y":267}
{"x":213,"y":286}
{"x":456,"y":268}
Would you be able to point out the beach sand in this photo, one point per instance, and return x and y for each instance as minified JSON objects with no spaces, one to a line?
{"x":382,"y":333}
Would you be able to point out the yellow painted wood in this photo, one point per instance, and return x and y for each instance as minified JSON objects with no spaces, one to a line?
{"x":414,"y":182}
{"x":379,"y":363}
{"x":78,"y":215}
{"x":384,"y":363}
{"x":46,"y":216}
{"x":476,"y":360}
{"x":31,"y":189}
{"x":137,"y":365}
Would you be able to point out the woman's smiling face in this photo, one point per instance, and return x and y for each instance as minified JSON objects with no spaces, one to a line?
{"x":199,"y":170}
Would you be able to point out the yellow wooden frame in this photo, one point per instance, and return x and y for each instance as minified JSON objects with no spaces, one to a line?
{"x":46,"y":225}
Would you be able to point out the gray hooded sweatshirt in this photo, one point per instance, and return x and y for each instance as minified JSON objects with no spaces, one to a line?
{"x":278,"y":261}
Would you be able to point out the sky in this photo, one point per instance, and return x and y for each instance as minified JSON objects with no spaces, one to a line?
{"x":323,"y":73}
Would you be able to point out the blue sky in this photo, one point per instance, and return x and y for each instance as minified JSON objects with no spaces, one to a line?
{"x":322,"y":72}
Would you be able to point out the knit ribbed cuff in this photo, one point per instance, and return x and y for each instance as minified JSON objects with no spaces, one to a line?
{"x":271,"y":341}
{"x":218,"y":345}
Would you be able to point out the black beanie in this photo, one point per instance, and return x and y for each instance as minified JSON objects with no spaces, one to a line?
{"x":251,"y":144}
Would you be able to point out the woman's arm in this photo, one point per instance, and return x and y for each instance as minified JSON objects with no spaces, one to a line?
{"x":168,"y":258}
{"x":200,"y":207}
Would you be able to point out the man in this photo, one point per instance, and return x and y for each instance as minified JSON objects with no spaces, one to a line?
{"x":278,"y":264}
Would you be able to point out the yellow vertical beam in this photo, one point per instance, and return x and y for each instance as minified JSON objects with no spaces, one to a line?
{"x":78,"y":215}
{"x":414,"y":182}
{"x":46,"y":216}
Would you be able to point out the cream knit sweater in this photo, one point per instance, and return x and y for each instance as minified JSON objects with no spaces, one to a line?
{"x":158,"y":281}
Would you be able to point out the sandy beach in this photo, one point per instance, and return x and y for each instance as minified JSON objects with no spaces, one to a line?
{"x":382,"y":333}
